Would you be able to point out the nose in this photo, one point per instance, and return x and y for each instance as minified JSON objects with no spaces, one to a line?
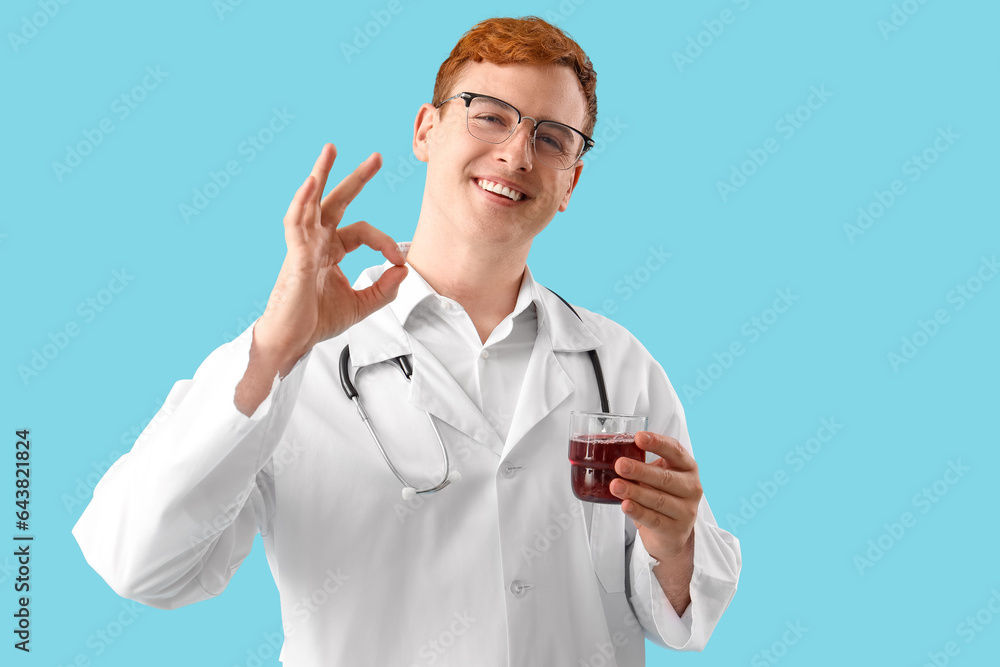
{"x":517,"y":150}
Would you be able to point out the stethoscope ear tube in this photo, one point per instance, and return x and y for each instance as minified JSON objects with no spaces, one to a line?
{"x":600,"y":378}
{"x":345,"y":374}
{"x":594,"y":360}
{"x":404,"y":366}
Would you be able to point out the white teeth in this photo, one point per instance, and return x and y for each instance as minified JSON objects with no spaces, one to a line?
{"x":500,"y":189}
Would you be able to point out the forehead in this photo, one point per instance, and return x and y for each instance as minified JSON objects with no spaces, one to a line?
{"x":546,"y":92}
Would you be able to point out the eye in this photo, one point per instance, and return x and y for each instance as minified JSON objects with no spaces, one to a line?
{"x":551,"y":142}
{"x":490,"y":119}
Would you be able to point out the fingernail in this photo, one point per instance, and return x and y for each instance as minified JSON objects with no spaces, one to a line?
{"x":625,"y":465}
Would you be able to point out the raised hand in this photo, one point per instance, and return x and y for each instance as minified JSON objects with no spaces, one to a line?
{"x":312,"y":299}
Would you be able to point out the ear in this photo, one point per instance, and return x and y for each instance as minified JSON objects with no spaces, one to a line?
{"x":572,"y":184}
{"x":427,"y":118}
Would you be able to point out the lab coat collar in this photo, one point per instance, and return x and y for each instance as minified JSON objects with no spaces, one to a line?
{"x":381,"y":335}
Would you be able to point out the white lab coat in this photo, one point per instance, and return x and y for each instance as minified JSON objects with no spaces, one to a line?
{"x":505,"y":567}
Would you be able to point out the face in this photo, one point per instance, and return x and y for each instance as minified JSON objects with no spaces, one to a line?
{"x":457,"y":162}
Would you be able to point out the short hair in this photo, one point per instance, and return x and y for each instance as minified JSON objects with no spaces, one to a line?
{"x":529,"y":41}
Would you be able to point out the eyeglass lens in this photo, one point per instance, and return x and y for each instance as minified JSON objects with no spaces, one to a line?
{"x":493,"y":121}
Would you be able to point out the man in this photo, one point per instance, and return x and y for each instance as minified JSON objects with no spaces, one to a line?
{"x":503,"y":566}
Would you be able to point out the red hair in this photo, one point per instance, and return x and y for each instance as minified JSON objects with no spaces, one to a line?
{"x":526,"y":41}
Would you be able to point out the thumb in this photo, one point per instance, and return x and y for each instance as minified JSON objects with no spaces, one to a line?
{"x":383,"y":291}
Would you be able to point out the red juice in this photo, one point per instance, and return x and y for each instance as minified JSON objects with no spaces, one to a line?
{"x":593,"y":463}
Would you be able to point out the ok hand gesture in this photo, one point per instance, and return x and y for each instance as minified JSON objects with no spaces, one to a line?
{"x":312,"y":300}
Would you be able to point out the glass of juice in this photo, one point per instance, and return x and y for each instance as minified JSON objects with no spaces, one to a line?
{"x":596,"y":441}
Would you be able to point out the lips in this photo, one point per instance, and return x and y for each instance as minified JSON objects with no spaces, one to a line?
{"x":503,"y":189}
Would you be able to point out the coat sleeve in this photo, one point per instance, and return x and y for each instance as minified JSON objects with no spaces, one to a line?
{"x":717,"y":558}
{"x":171,"y":520}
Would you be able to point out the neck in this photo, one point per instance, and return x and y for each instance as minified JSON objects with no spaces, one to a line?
{"x":483,"y":278}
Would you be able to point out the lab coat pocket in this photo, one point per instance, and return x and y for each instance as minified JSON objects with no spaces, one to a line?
{"x":607,"y":546}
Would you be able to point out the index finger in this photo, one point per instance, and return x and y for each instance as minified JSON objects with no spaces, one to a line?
{"x":335,"y":203}
{"x":324,"y":162}
{"x":669,"y":449}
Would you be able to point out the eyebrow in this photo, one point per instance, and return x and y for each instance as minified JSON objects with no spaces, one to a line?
{"x":540,"y":120}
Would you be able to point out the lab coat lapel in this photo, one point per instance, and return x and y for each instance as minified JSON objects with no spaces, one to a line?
{"x":381,"y":336}
{"x":546,"y":385}
{"x":434,"y":390}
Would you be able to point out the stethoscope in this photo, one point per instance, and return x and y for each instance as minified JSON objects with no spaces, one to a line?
{"x":406,"y":368}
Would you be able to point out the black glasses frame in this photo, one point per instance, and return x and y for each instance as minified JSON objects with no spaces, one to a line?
{"x":588,"y":142}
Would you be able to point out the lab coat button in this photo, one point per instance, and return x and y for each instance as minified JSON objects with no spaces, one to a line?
{"x":486,"y":354}
{"x":507,"y":469}
{"x":519,"y":589}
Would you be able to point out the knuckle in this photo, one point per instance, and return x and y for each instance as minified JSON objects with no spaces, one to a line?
{"x":691,"y":514}
{"x":661,"y":502}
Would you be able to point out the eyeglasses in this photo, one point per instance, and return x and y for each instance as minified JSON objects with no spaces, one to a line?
{"x":491,"y":120}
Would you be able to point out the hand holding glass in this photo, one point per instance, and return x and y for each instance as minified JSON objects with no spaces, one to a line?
{"x":596,"y":441}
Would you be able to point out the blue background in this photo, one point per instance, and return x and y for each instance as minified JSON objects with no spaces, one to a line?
{"x":669,"y":131}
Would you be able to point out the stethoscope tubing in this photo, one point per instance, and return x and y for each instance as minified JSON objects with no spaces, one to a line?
{"x":406,"y":368}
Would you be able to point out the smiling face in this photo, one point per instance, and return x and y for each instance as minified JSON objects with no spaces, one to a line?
{"x":459,"y":165}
